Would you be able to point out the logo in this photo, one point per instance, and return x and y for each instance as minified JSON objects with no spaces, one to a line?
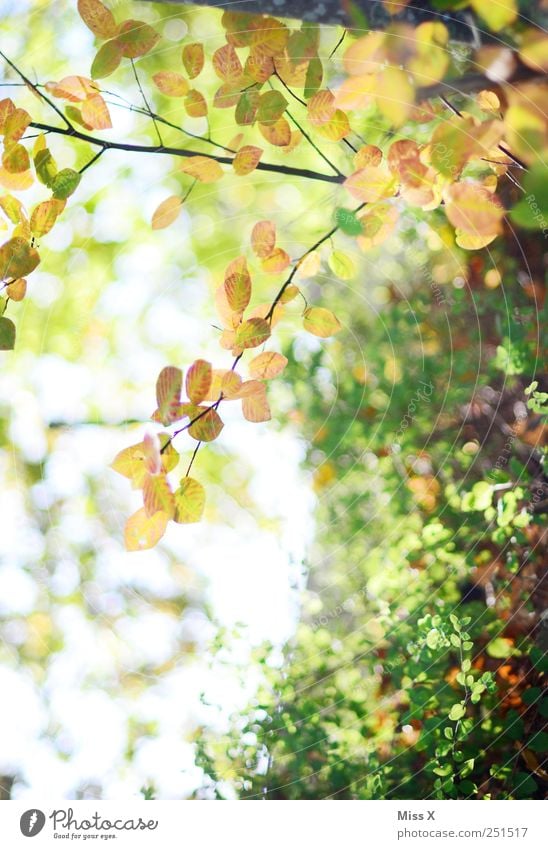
{"x":32,"y":822}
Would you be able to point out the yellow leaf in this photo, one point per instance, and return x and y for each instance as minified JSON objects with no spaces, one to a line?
{"x":356,"y":92}
{"x":195,"y":104}
{"x":278,"y":134}
{"x":341,"y":265}
{"x":238,"y":291}
{"x":369,"y":154}
{"x":198,"y":380}
{"x":533,"y":49}
{"x":289,"y":294}
{"x":167,"y":212}
{"x":15,"y":159}
{"x":171,"y":84}
{"x":252,"y":333}
{"x":497,"y":14}
{"x":157,"y":495}
{"x":203,"y":168}
{"x":394,"y":94}
{"x":208,"y":426}
{"x":276,"y":261}
{"x":130,"y":462}
{"x":189,"y":501}
{"x":193,"y":59}
{"x":321,"y":107}
{"x":95,"y":113}
{"x":488,"y":101}
{"x":97,"y":18}
{"x":142,"y":531}
{"x":226,"y":63}
{"x":17,"y":290}
{"x":17,"y":258}
{"x":44,"y":216}
{"x":12,"y":207}
{"x":247,"y":159}
{"x":309,"y":265}
{"x":371,"y":184}
{"x":267,"y":365}
{"x":321,"y":322}
{"x":136,"y":38}
{"x":336,"y":128}
{"x":15,"y":126}
{"x":255,"y":405}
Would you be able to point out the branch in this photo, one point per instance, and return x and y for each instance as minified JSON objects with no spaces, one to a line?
{"x":289,"y":171}
{"x":475,"y":82}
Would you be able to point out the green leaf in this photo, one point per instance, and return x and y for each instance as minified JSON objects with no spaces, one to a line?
{"x":65,"y":183}
{"x":189,"y":501}
{"x":272,"y":105}
{"x":347,"y":221}
{"x":457,"y":712}
{"x":341,"y":265}
{"x":7,"y":334}
{"x":107,"y":60}
{"x":321,"y":322}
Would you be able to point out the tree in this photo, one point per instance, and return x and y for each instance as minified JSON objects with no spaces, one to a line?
{"x":403,"y":122}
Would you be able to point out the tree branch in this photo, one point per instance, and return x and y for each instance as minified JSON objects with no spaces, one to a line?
{"x":288,"y":170}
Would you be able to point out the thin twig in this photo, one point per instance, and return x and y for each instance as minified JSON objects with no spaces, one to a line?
{"x":147,"y":105}
{"x":36,"y":90}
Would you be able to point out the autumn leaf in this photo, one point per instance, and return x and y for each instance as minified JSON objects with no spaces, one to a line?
{"x":189,"y":501}
{"x":267,"y":365}
{"x":97,"y":18}
{"x":15,"y":159}
{"x":195,"y":104}
{"x":238,"y":291}
{"x":143,"y":531}
{"x":168,"y":395}
{"x":369,"y":154}
{"x":7,"y":334}
{"x":247,"y":159}
{"x":272,"y":105}
{"x":17,"y":258}
{"x":252,"y":333}
{"x":166,"y":212}
{"x":207,"y":427}
{"x":246,"y":107}
{"x":193,"y":59}
{"x":371,"y":184}
{"x":226,"y":63}
{"x":321,"y":322}
{"x":17,"y":290}
{"x":15,"y":126}
{"x":473,"y":209}
{"x":263,"y":238}
{"x":203,"y":168}
{"x":157,"y":495}
{"x":130,"y":462}
{"x":44,"y":216}
{"x":275,"y":262}
{"x":321,"y":107}
{"x":106,"y":60}
{"x":95,"y":112}
{"x":136,"y":38}
{"x":278,"y":134}
{"x":171,"y":84}
{"x":198,"y":380}
{"x":255,"y":406}
{"x":73,"y":88}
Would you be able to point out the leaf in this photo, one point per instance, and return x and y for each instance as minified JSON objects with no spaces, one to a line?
{"x":371,"y":184}
{"x":157,"y":495}
{"x":208,"y":426}
{"x":171,"y":84}
{"x":497,"y":15}
{"x":7,"y":106}
{"x":15,"y":126}
{"x":289,"y":294}
{"x":166,"y":212}
{"x":263,"y":238}
{"x":309,"y":265}
{"x":500,"y":648}
{"x":107,"y":59}
{"x":45,"y":167}
{"x":226,"y":63}
{"x":95,"y":113}
{"x":65,"y":183}
{"x":247,"y":159}
{"x":203,"y":168}
{"x":195,"y":104}
{"x":272,"y":105}
{"x":97,"y":18}
{"x":394,"y":94}
{"x":238,"y":291}
{"x":255,"y":405}
{"x":17,"y":290}
{"x":267,"y":365}
{"x":198,"y":380}
{"x":457,"y":712}
{"x":73,"y":88}
{"x":278,"y":134}
{"x":130,"y":462}
{"x":336,"y":128}
{"x":7,"y":334}
{"x":341,"y":265}
{"x":321,"y":322}
{"x":17,"y":258}
{"x":473,"y":209}
{"x":321,"y":107}
{"x":276,"y":261}
{"x":16,"y":159}
{"x":246,"y":108}
{"x":189,"y":501}
{"x":369,"y":154}
{"x":143,"y":531}
{"x":136,"y":38}
{"x":314,"y":77}
{"x":252,"y":333}
{"x":44,"y":216}
{"x":12,"y":207}
{"x":168,"y":395}
{"x":193,"y":59}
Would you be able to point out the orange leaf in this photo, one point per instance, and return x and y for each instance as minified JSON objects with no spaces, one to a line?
{"x":226,"y":63}
{"x":254,"y":403}
{"x":263,"y":238}
{"x":321,"y":107}
{"x":15,"y":159}
{"x":195,"y":104}
{"x":168,"y":395}
{"x":371,"y":184}
{"x":143,"y":531}
{"x":198,"y":380}
{"x":247,"y":159}
{"x":95,"y":113}
{"x":7,"y":106}
{"x":97,"y":18}
{"x":167,"y":212}
{"x":473,"y":209}
{"x":193,"y":59}
{"x":170,"y":83}
{"x":15,"y":126}
{"x":267,"y":365}
{"x":73,"y":88}
{"x":44,"y":216}
{"x":203,"y":168}
{"x":369,"y":154}
{"x":278,"y":134}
